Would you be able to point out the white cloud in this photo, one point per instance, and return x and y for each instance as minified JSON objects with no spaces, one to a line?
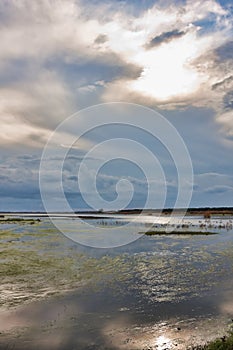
{"x":40,"y":29}
{"x":15,"y":131}
{"x":169,"y":73}
{"x":210,"y":180}
{"x":179,"y":71}
{"x":29,"y":110}
{"x":226,"y":120}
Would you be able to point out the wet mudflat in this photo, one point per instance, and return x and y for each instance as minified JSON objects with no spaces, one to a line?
{"x":159,"y":292}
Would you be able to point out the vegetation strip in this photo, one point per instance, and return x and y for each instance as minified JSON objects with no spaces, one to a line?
{"x":223,"y":343}
{"x":18,"y":221}
{"x":153,"y":233}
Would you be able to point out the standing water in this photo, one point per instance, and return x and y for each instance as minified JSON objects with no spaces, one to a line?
{"x":162,"y":291}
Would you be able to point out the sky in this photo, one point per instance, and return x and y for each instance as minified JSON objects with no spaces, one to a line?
{"x":60,"y":57}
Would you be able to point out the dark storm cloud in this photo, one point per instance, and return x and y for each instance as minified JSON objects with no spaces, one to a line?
{"x":165,"y":38}
{"x":101,"y":39}
{"x":223,"y":84}
{"x":225,"y":52}
{"x":228,"y":100}
{"x":104,"y":67}
{"x":72,"y":178}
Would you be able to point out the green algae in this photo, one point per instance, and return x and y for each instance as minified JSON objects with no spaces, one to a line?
{"x":37,"y":267}
{"x":38,"y":261}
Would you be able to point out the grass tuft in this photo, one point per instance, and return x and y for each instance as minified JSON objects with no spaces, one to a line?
{"x":223,"y":343}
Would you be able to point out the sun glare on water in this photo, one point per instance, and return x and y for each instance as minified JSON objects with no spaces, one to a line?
{"x":162,"y":343}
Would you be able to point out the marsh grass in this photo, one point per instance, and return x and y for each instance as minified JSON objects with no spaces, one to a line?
{"x":223,"y":343}
{"x":19,"y":221}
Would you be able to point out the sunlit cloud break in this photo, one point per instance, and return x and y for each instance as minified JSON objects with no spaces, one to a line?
{"x":163,"y":57}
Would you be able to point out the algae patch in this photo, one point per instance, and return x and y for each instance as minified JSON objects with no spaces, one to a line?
{"x":39,"y":261}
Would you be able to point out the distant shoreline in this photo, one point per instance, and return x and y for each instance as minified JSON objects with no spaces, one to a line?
{"x":166,"y":211}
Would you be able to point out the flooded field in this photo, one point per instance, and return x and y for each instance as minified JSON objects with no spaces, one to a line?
{"x":162,"y":291}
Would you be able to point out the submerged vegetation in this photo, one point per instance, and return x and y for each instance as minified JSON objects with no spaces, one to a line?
{"x":40,"y":262}
{"x":22,"y":221}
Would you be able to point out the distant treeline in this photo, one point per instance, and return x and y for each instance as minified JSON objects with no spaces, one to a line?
{"x":211,"y":210}
{"x":201,"y":210}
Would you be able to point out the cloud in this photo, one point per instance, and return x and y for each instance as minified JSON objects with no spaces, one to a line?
{"x":45,"y":28}
{"x":182,"y":64}
{"x":31,"y":108}
{"x":224,"y":52}
{"x":19,"y":179}
{"x":228,"y":98}
{"x":101,"y":39}
{"x":52,"y":54}
{"x":174,"y":72}
{"x":206,"y":181}
{"x":218,"y":189}
{"x":165,"y":37}
{"x":223,"y":84}
{"x":59,"y":56}
{"x":212,"y":189}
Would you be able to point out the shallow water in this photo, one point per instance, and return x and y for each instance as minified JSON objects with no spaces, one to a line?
{"x":159,"y":292}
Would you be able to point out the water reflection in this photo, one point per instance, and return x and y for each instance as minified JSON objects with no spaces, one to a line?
{"x":158,"y":292}
{"x":163,"y":342}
